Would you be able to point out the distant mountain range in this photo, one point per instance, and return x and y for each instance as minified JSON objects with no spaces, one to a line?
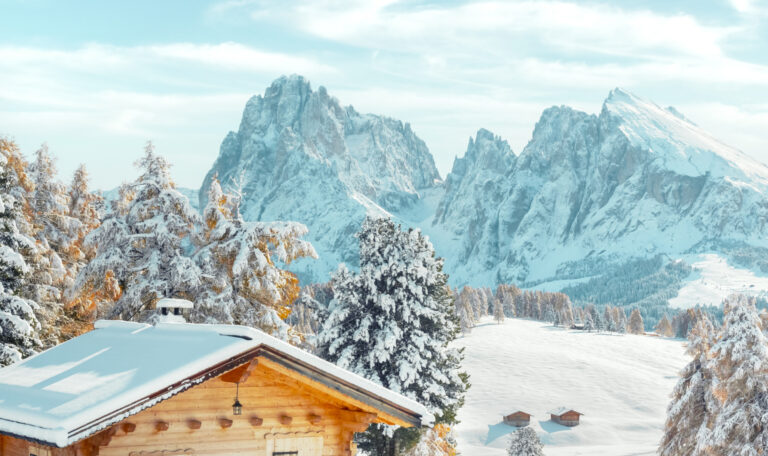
{"x":588,"y":195}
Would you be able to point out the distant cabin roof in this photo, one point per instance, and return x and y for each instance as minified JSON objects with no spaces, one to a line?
{"x":562,"y":410}
{"x":86,"y":384}
{"x":516,"y":411}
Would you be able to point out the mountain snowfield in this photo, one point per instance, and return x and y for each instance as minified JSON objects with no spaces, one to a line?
{"x":621,"y":383}
{"x":588,"y":194}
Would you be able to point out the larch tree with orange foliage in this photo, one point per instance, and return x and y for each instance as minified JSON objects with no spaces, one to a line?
{"x":54,"y":233}
{"x":241,"y":278}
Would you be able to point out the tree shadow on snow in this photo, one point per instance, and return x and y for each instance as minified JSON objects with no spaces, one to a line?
{"x":499,"y":430}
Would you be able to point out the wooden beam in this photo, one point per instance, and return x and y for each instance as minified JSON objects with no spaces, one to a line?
{"x":128,"y":427}
{"x":382,"y":416}
{"x":256,"y":421}
{"x":357,"y":416}
{"x":161,"y":426}
{"x":285,"y":420}
{"x":194,"y":424}
{"x":225,"y":423}
{"x":240,"y":374}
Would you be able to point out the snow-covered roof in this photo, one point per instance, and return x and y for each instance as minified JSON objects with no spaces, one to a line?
{"x":172,"y":303}
{"x":560,"y":410}
{"x":88,"y":383}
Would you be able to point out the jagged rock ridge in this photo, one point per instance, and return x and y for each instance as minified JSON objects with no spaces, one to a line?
{"x":299,"y":155}
{"x":592,"y":191}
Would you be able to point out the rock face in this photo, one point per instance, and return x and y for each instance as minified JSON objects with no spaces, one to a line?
{"x":589,"y":192}
{"x":299,"y":155}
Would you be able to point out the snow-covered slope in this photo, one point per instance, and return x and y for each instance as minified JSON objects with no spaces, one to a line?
{"x":589,"y":192}
{"x":299,"y":155}
{"x":621,"y":383}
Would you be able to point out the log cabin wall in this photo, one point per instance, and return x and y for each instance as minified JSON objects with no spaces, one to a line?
{"x":199,"y":421}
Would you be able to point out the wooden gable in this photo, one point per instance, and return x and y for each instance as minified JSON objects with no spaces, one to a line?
{"x":284,"y":413}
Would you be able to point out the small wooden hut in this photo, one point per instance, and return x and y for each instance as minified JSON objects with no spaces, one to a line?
{"x":565,"y":416}
{"x":182,"y":389}
{"x":518,"y":418}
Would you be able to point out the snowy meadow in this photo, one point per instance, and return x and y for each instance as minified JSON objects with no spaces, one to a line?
{"x":621,"y":383}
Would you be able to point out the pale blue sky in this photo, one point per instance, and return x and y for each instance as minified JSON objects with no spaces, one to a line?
{"x":96,"y":79}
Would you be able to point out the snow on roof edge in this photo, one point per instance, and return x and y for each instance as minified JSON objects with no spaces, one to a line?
{"x":427,"y":418}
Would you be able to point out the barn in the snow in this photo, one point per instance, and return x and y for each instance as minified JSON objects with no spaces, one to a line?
{"x":134,"y":389}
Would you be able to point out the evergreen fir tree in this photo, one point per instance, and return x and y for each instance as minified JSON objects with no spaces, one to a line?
{"x":392,"y":324}
{"x":589,"y":324}
{"x":740,"y":363}
{"x":140,"y":246}
{"x":688,"y":412}
{"x":55,"y":233}
{"x":608,"y":317}
{"x":525,"y":442}
{"x":19,"y":326}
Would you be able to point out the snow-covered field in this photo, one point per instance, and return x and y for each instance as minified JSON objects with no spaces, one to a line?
{"x":713,"y":280}
{"x":620,"y":382}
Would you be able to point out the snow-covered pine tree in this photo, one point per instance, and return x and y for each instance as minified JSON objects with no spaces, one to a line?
{"x":740,"y":363}
{"x":664,"y":327}
{"x":392,"y":323}
{"x":55,"y":232}
{"x":589,"y":323}
{"x":139,"y":248}
{"x":19,"y":326}
{"x":240,"y":281}
{"x":635,"y":325}
{"x":525,"y":442}
{"x":549,"y":315}
{"x":688,"y":412}
{"x":509,"y":296}
{"x":621,"y":320}
{"x":498,"y":311}
{"x":608,"y":317}
{"x":597,"y":318}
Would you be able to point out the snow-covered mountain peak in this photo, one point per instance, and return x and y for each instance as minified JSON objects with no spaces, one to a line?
{"x":676,"y":142}
{"x":588,"y":191}
{"x":301,"y":156}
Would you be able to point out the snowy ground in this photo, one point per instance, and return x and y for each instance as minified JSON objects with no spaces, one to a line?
{"x":713,"y":279}
{"x":620,"y":382}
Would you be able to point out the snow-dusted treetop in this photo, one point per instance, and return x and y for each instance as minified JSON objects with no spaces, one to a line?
{"x":118,"y":365}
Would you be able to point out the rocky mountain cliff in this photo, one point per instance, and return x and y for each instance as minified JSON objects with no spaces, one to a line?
{"x":299,"y":155}
{"x":637,"y":187}
{"x":592,"y":192}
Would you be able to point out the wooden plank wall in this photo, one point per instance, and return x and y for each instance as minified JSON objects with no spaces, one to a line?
{"x":266,"y":395}
{"x":283,"y":404}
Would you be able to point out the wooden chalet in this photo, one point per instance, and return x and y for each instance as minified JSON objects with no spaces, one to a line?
{"x":518,"y":418}
{"x":565,"y":416}
{"x":133,"y":389}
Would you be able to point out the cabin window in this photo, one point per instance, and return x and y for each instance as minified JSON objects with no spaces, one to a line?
{"x":37,"y":450}
{"x":294,"y":445}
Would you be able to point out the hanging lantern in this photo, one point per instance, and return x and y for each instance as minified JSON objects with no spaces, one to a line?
{"x":237,"y":407}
